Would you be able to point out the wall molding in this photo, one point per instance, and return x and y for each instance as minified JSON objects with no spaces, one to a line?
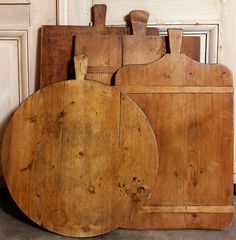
{"x":21,"y":36}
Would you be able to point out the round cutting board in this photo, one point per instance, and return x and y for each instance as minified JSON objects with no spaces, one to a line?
{"x":79,"y":157}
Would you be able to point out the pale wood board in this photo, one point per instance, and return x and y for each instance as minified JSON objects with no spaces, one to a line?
{"x":79,"y":157}
{"x":194,"y":131}
{"x":57,"y":45}
{"x":107,"y":53}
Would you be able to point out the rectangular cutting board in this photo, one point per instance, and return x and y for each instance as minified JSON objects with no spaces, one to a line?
{"x":57,"y":45}
{"x":107,"y":53}
{"x":190,"y":107}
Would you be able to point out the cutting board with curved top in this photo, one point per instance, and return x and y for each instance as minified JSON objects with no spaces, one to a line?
{"x":107,"y":53}
{"x":79,"y":157}
{"x":57,"y":45}
{"x":190,"y":107}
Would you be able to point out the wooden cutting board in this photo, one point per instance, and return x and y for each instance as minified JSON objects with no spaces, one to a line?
{"x":107,"y":53}
{"x":79,"y":157}
{"x":139,"y":48}
{"x":57,"y":45}
{"x":190,"y":107}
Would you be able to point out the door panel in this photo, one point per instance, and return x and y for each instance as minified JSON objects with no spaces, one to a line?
{"x":9,"y":81}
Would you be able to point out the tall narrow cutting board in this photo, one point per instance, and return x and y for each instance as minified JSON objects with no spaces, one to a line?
{"x":79,"y":157}
{"x":190,"y":107}
{"x":57,"y":45}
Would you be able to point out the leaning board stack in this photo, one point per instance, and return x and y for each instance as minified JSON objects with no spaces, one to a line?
{"x":128,"y":130}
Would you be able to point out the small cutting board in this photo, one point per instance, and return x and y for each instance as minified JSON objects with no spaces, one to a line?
{"x":79,"y":157}
{"x":190,"y":107}
{"x":57,"y":45}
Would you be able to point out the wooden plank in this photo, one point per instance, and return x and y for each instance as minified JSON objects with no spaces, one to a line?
{"x":162,"y":89}
{"x":189,"y":209}
{"x":77,"y":157}
{"x":169,"y":221}
{"x":190,"y":107}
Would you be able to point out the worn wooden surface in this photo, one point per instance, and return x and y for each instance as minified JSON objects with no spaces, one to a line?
{"x":190,"y":107}
{"x":107,"y":53}
{"x":79,"y":157}
{"x":57,"y":45}
{"x":140,"y":48}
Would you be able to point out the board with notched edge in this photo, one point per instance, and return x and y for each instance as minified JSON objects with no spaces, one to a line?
{"x":190,"y":107}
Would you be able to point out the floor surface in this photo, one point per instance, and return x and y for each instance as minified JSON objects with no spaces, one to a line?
{"x":15,"y":226}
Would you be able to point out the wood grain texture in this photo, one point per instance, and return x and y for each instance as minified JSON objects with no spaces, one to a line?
{"x":194,"y":131}
{"x":79,"y":157}
{"x":57,"y":45}
{"x":140,"y":48}
{"x":107,"y":53}
{"x":104,"y":55}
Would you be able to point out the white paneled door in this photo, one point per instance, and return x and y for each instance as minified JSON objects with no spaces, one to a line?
{"x":9,"y":80}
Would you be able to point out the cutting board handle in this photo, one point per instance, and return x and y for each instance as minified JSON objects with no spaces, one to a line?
{"x":139,"y":20}
{"x":175,"y":40}
{"x":99,"y":16}
{"x":81,"y":65}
